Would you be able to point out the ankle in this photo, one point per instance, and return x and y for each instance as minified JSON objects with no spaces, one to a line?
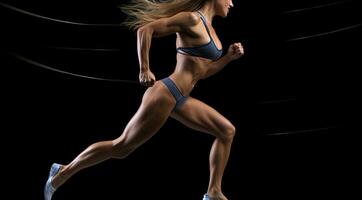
{"x":214,"y":192}
{"x":60,"y":177}
{"x":216,"y":196}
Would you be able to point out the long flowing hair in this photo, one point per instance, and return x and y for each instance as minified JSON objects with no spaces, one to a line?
{"x":141,"y":12}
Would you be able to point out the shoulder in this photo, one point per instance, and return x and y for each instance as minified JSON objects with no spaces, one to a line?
{"x":180,"y":22}
{"x":188,"y":18}
{"x":192,"y":18}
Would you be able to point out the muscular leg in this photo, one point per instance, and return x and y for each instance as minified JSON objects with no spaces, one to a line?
{"x":156,"y":106}
{"x":199,"y":116}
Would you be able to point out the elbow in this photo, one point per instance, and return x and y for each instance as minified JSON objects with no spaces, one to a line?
{"x":210,"y":70}
{"x":206,"y":74}
{"x":144,"y":31}
{"x":140,"y":32}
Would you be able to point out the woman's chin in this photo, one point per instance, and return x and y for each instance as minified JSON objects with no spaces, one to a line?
{"x":226,"y":13}
{"x":223,"y":14}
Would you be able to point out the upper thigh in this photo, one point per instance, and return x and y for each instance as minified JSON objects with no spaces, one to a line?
{"x":153,"y":112}
{"x":200,"y":116}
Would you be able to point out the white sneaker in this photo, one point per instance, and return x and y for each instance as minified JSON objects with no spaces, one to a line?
{"x":49,"y":189}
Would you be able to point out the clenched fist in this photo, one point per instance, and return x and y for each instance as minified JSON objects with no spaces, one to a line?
{"x":235,"y":51}
{"x":147,"y":78}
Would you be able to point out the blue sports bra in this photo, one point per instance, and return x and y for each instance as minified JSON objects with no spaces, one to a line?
{"x":209,"y":50}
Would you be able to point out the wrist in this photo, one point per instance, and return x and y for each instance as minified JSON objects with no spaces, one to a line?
{"x":228,"y":57}
{"x":144,"y":69}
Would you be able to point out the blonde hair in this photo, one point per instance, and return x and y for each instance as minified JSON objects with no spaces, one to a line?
{"x":141,"y":12}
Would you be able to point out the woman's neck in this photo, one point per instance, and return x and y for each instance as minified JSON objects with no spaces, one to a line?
{"x":208,"y":11}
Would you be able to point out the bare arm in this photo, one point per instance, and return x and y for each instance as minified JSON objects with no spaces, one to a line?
{"x":159,"y":28}
{"x":144,"y":37}
{"x":235,"y":51}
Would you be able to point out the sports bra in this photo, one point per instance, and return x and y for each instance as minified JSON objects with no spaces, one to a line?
{"x":209,"y":50}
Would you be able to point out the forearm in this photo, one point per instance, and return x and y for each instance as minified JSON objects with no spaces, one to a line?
{"x":144,"y":38}
{"x":216,"y":66}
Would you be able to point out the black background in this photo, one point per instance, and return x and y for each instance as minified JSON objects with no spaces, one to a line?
{"x":306,"y":87}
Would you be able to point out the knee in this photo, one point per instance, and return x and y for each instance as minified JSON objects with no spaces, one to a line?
{"x":228,"y":133}
{"x":121,"y":154}
{"x":121,"y":150}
